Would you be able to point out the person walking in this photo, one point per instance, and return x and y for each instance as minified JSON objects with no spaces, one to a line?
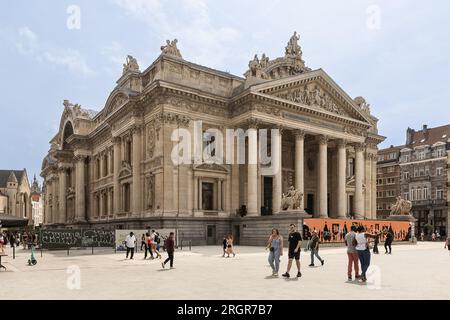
{"x":315,"y":248}
{"x":154,"y":239}
{"x":447,"y":244}
{"x":295,"y":244}
{"x":362,"y":247}
{"x":143,"y":243}
{"x":230,"y":249}
{"x":130,"y":242}
{"x":353,"y":259}
{"x":170,"y":249}
{"x":224,"y":246}
{"x":2,"y":242}
{"x":148,"y":246}
{"x":376,"y":242}
{"x":275,"y":246}
{"x":388,"y":242}
{"x":308,"y":237}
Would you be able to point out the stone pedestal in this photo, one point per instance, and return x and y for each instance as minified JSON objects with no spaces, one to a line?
{"x":408,"y":218}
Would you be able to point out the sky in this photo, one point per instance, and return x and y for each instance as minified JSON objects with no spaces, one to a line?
{"x":394,"y":53}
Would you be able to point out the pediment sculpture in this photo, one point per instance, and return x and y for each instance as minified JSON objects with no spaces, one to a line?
{"x":312,"y":97}
{"x":291,"y":200}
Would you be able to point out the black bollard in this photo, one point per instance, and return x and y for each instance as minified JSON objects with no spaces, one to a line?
{"x":14,"y":251}
{"x":68,"y":248}
{"x":92,"y":250}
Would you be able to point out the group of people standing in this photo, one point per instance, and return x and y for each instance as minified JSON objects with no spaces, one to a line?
{"x":27,"y":239}
{"x":275,"y":246}
{"x":150,"y":241}
{"x":358,"y":250}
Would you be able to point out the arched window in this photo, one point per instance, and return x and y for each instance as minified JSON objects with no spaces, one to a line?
{"x":68,"y":131}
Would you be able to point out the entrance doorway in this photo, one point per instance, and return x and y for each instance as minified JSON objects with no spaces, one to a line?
{"x":310,"y":204}
{"x":211,"y":235}
{"x":266,"y":209}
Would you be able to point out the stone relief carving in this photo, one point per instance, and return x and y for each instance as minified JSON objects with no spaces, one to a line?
{"x":312,"y":97}
{"x":130,"y":65}
{"x":151,"y":139}
{"x":150,"y":191}
{"x":171,"y":49}
{"x":198,"y":107}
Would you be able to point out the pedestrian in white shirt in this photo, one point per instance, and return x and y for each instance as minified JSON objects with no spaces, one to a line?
{"x":130,"y":242}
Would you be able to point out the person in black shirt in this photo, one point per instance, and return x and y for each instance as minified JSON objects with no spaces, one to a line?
{"x":295,"y":242}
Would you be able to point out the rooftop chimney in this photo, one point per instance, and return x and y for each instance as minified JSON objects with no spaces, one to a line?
{"x":409,"y":135}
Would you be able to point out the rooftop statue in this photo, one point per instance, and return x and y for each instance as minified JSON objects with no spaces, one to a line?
{"x":130,"y":65}
{"x":171,"y":48}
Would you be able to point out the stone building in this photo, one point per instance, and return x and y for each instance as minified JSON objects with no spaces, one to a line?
{"x":388,"y":180}
{"x":113,"y":168}
{"x":37,"y":203}
{"x":424,"y":179}
{"x":15,"y":193}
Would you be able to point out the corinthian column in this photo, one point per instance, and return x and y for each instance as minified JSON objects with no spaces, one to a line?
{"x":359,"y":176}
{"x":79,"y":190}
{"x":341,"y":183}
{"x":117,"y":158}
{"x":252,"y":173}
{"x":300,"y":165}
{"x":277,"y":148}
{"x":136,"y":171}
{"x":62,"y":196}
{"x":322,"y":179}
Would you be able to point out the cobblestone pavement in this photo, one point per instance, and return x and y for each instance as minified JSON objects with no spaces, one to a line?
{"x":411,"y":272}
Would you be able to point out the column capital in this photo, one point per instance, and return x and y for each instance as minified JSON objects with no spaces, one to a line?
{"x":80,"y":158}
{"x":299,"y":134}
{"x":359,"y":147}
{"x":253,"y":123}
{"x":117,"y":139}
{"x":136,"y":129}
{"x":342,"y":143}
{"x":322,"y":139}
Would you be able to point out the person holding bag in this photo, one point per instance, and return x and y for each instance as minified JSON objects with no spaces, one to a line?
{"x":275,"y":246}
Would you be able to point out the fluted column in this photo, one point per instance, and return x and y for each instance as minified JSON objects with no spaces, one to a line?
{"x":79,"y":190}
{"x":300,"y":165}
{"x":219,"y":194}
{"x":323,"y":178}
{"x":195,"y":188}
{"x":252,"y":172}
{"x":136,"y":207}
{"x":277,"y":148}
{"x":117,"y":158}
{"x":341,"y":180}
{"x":62,"y":196}
{"x":359,"y":176}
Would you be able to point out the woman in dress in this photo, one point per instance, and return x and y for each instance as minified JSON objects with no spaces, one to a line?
{"x":275,"y":246}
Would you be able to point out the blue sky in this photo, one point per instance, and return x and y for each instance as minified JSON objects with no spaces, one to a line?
{"x":395,"y":53}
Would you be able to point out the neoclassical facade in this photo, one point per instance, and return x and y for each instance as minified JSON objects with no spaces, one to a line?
{"x":113,"y":168}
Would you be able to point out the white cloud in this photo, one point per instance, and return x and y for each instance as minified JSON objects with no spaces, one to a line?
{"x":200,"y":40}
{"x":28,"y":44}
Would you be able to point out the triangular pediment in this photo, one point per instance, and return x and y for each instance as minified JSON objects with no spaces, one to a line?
{"x":314,"y":90}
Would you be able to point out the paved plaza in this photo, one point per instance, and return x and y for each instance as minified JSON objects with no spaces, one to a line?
{"x":411,"y":272}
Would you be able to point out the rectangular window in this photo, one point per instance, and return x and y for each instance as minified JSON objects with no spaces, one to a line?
{"x":439,"y":194}
{"x":439,"y":171}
